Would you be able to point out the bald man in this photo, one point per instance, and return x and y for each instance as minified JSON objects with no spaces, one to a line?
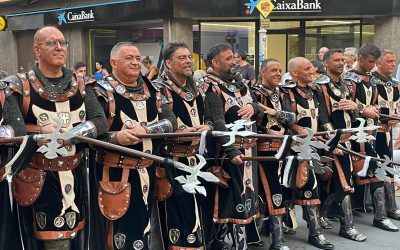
{"x":56,"y":191}
{"x":311,"y":113}
{"x":321,"y":53}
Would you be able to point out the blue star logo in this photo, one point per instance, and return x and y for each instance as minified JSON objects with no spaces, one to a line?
{"x":252,"y":4}
{"x":61,"y":18}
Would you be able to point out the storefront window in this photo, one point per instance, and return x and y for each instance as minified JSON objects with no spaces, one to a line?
{"x":101,"y":42}
{"x":368,"y":33}
{"x":240,"y":35}
{"x":331,"y":34}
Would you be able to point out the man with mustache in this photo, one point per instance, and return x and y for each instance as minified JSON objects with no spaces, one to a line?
{"x":183,"y":220}
{"x":365,"y":94}
{"x":275,"y":122}
{"x":229,"y":99}
{"x":342,"y":112}
{"x":53,"y":190}
{"x":123,"y":186}
{"x":311,"y":113}
{"x":388,"y":100}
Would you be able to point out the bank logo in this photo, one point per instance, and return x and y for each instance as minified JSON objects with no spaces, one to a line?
{"x":61,"y":19}
{"x":263,"y":6}
{"x":75,"y":17}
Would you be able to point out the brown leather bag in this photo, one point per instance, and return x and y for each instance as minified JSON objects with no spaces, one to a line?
{"x":163,"y":188}
{"x":27,"y":186}
{"x":302,"y":174}
{"x":328,"y":174}
{"x":358,"y":163}
{"x":221,"y":174}
{"x":114,"y":196}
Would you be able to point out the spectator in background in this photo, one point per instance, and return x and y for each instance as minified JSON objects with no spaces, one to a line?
{"x":321,"y":53}
{"x":245,"y":68}
{"x":152,"y":72}
{"x":350,"y":59}
{"x":80,"y":68}
{"x":100,"y":71}
{"x":319,"y":69}
{"x":3,"y":74}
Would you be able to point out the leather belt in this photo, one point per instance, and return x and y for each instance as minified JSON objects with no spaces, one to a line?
{"x":180,"y":150}
{"x":121,"y":161}
{"x":273,"y":145}
{"x":58,"y":235}
{"x":61,"y":163}
{"x":244,"y":143}
{"x":184,"y":248}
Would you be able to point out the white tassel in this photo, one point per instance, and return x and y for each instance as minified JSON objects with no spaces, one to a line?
{"x":7,"y":168}
{"x":10,"y":194}
{"x":278,"y":155}
{"x":364,"y":170}
{"x":202,"y":146}
{"x":286,"y":172}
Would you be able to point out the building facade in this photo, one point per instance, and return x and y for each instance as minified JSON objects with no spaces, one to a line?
{"x":294,"y":27}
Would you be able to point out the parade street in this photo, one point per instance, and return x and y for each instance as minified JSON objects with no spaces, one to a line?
{"x":377,"y":240}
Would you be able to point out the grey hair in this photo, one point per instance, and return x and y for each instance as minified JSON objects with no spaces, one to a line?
{"x":353,"y":51}
{"x":294,"y":62}
{"x":116,"y":48}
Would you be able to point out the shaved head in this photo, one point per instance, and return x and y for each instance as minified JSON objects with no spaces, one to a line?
{"x":301,"y":70}
{"x":43,"y":32}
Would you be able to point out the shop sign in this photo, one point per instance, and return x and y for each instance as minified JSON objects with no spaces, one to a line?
{"x":78,"y":16}
{"x":3,"y":23}
{"x":297,"y":6}
{"x":265,"y":7}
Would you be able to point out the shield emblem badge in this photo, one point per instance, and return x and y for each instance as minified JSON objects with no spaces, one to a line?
{"x":119,"y":240}
{"x":41,"y":219}
{"x":70,"y":219}
{"x":248,"y":205}
{"x":312,"y":113}
{"x":239,"y":101}
{"x":174,"y":235}
{"x":65,"y":118}
{"x":277,"y":199}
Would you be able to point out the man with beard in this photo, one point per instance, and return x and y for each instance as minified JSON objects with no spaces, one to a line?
{"x":274,"y":122}
{"x":183,"y":222}
{"x":228,"y":99}
{"x":123,"y":186}
{"x":342,"y":112}
{"x":311,"y":113}
{"x":388,"y":99}
{"x":365,"y":95}
{"x":54,"y":189}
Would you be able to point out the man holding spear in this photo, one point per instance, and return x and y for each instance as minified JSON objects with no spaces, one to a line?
{"x":53,"y":187}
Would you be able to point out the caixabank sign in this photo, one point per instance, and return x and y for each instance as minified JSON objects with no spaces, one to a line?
{"x":80,"y":16}
{"x":265,"y":7}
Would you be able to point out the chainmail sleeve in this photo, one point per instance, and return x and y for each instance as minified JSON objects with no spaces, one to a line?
{"x":12,"y":114}
{"x":94,"y":111}
{"x":214,"y":112}
{"x":166,"y":113}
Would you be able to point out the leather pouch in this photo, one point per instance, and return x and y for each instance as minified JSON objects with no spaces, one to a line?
{"x":163,"y":188}
{"x":27,"y":186}
{"x":302,"y":174}
{"x":221,"y":174}
{"x":114,"y":196}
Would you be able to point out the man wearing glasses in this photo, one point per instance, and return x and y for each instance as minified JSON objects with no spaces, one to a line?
{"x":53,"y":191}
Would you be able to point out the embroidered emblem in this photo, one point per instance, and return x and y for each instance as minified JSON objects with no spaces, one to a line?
{"x":82,"y":115}
{"x":193,"y":112}
{"x":232,"y":88}
{"x":337,"y":92}
{"x":138,"y":245}
{"x":139,"y":105}
{"x":70,"y":219}
{"x":41,"y":219}
{"x":59,"y":222}
{"x":189,"y":97}
{"x":128,"y":123}
{"x":53,"y":97}
{"x":119,"y":240}
{"x":308,"y":194}
{"x":312,"y":113}
{"x":120,"y":89}
{"x":68,"y":188}
{"x":174,"y":235}
{"x":239,"y":101}
{"x":277,"y":199}
{"x":43,"y":118}
{"x":275,"y":98}
{"x":229,"y":101}
{"x":248,"y":205}
{"x":240,"y":208}
{"x":65,"y":118}
{"x":191,"y":238}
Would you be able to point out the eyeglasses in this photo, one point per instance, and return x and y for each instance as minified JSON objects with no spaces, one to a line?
{"x":54,"y":43}
{"x":130,"y":59}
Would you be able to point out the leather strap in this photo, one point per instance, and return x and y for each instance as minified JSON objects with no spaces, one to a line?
{"x":180,"y":150}
{"x":327,"y":98}
{"x":273,"y":145}
{"x":59,"y":235}
{"x":61,"y":163}
{"x":346,"y":187}
{"x":117,"y":160}
{"x":184,"y":248}
{"x":272,"y":211}
{"x":111,"y":108}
